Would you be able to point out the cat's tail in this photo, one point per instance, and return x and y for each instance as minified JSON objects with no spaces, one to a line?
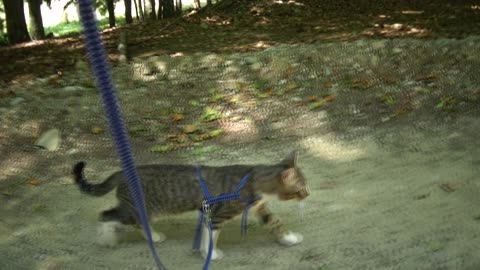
{"x":93,"y":189}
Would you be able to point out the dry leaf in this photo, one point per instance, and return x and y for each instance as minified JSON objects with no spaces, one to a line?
{"x":215,"y":133}
{"x":177,"y":117}
{"x":97,"y":130}
{"x":329,"y":98}
{"x":447,"y":187}
{"x":161,"y":148}
{"x":327,"y":84}
{"x":190,"y":128}
{"x":312,"y":98}
{"x":33,"y":182}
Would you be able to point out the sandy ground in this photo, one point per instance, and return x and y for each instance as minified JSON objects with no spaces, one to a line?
{"x":375,"y":204}
{"x":402,"y":195}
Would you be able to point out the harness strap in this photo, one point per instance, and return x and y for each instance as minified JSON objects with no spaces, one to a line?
{"x":204,"y":216}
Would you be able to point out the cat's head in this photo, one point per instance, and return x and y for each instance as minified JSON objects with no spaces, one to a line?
{"x":291,"y":183}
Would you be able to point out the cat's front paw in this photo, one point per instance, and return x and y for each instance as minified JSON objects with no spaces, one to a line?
{"x":290,"y":239}
{"x":217,"y":254}
{"x":157,"y":237}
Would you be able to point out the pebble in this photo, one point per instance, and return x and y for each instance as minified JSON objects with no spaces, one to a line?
{"x":49,"y":140}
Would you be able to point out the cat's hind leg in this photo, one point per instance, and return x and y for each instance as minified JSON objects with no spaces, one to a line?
{"x":110,"y":225}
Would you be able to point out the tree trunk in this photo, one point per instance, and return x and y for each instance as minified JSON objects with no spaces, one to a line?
{"x":128,"y":11}
{"x":196,"y":4}
{"x":152,"y":13}
{"x":140,"y":10}
{"x":178,"y":7}
{"x":168,"y":9}
{"x":209,"y":2}
{"x":136,"y":9}
{"x":111,"y":13}
{"x":16,"y":26}
{"x":36,"y":22}
{"x":160,"y":8}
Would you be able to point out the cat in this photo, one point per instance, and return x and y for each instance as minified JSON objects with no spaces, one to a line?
{"x":172,"y":189}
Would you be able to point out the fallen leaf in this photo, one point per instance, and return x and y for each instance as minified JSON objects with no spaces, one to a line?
{"x":210,"y":114}
{"x":312,"y":98}
{"x":329,"y":98}
{"x":421,"y":196}
{"x":33,"y":182}
{"x":161,"y":148}
{"x":399,"y":112}
{"x":177,"y":117}
{"x":215,"y":133}
{"x":194,"y":103}
{"x":38,"y":207}
{"x":327,"y":84}
{"x":320,"y":103}
{"x":291,"y":86}
{"x":190,"y":128}
{"x":97,"y":130}
{"x":447,"y":187}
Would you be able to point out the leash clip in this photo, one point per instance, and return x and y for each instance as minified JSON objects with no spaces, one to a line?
{"x":207,"y":211}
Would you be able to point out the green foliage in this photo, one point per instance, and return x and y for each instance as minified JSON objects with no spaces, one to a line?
{"x":74,"y":27}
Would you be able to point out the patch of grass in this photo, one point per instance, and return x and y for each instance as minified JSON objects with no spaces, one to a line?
{"x":210,"y":114}
{"x":204,"y":150}
{"x":63,"y":29}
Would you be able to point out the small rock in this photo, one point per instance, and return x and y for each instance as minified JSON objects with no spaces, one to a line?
{"x":16,"y":101}
{"x":256,"y":66}
{"x":378,"y":45}
{"x":50,"y":140}
{"x":385,"y":118}
{"x":397,"y":50}
{"x":72,"y":151}
{"x":73,"y":88}
{"x":296,"y":99}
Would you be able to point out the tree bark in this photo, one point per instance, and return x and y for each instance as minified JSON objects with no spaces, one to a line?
{"x":152,"y":13}
{"x":36,"y":22}
{"x":111,"y":12}
{"x":140,"y":10}
{"x":136,"y":9}
{"x":209,"y":2}
{"x":168,"y":9}
{"x":16,"y":26}
{"x":178,"y":7}
{"x":128,"y":11}
{"x":196,"y":4}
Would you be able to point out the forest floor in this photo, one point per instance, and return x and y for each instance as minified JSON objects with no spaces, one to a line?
{"x":385,"y":118}
{"x":255,"y":25}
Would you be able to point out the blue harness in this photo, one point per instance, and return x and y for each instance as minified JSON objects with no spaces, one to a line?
{"x":205,"y":212}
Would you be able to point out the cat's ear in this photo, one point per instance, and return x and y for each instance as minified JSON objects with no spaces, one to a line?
{"x":291,"y":159}
{"x":288,"y":176}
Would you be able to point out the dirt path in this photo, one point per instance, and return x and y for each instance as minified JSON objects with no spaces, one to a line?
{"x":394,"y":186}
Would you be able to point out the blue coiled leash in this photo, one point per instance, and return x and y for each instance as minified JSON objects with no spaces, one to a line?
{"x":208,"y":201}
{"x":101,"y":71}
{"x":100,"y":68}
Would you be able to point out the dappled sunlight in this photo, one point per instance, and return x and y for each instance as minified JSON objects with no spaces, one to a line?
{"x":239,"y":129}
{"x":327,"y":148}
{"x":15,"y":163}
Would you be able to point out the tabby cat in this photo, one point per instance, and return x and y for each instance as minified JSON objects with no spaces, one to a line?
{"x":171,"y":189}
